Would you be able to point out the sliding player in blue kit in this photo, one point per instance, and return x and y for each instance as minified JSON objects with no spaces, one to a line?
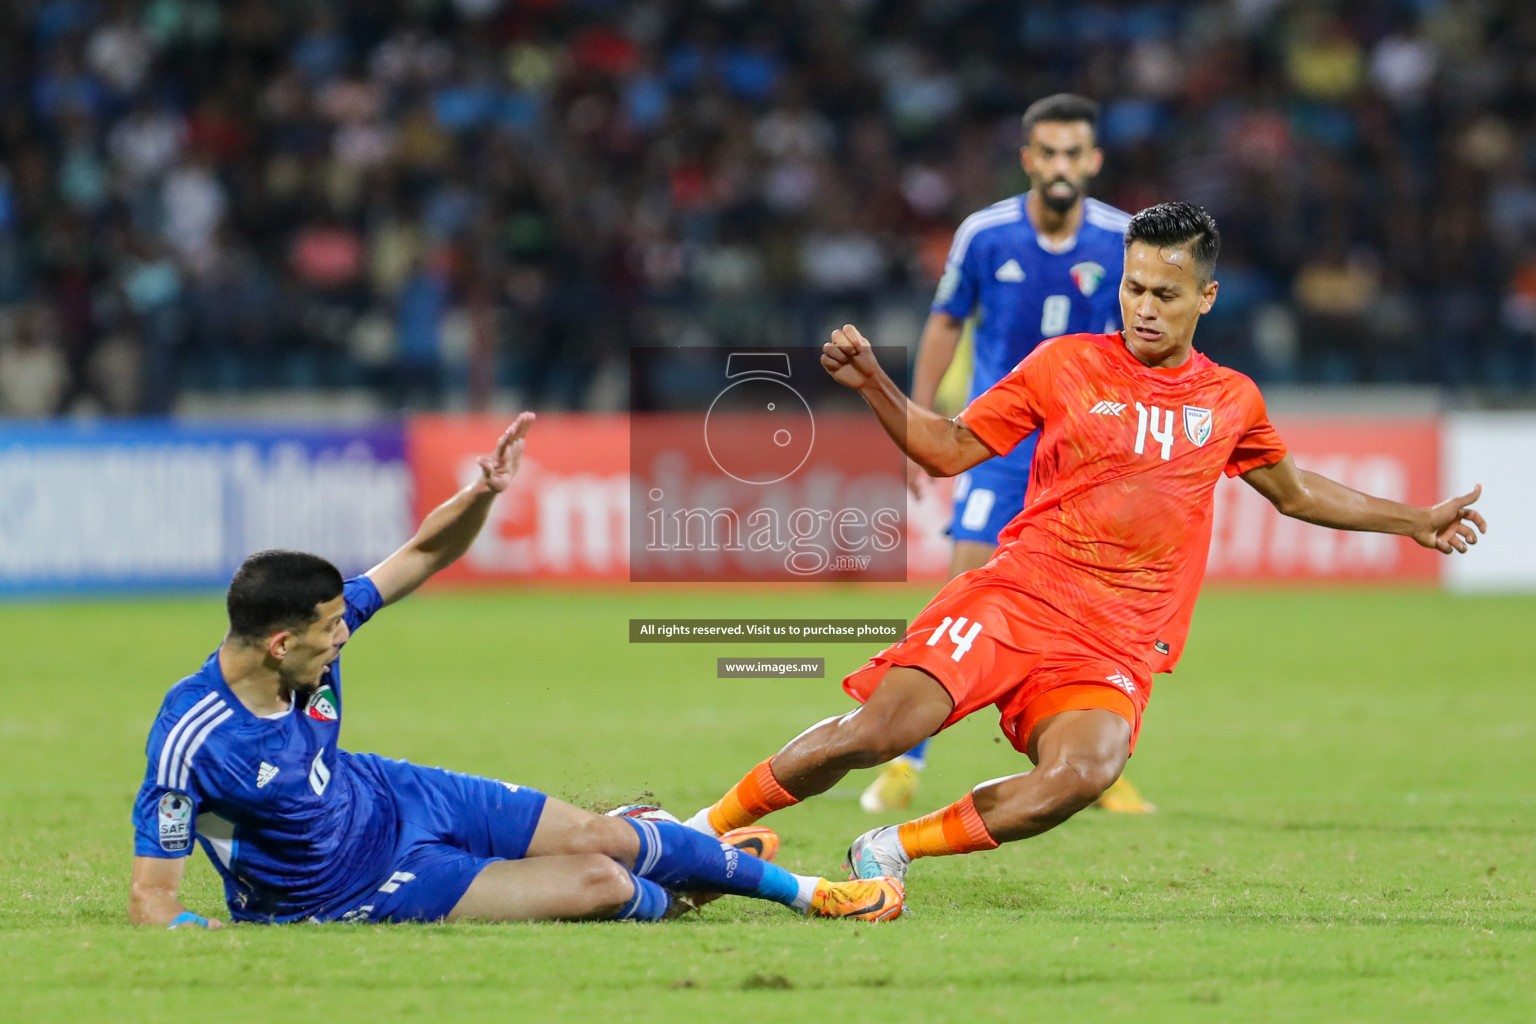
{"x":244,"y":758}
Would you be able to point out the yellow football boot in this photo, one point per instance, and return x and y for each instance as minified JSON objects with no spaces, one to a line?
{"x":862,"y":899}
{"x":1124,"y":798}
{"x":893,"y":789}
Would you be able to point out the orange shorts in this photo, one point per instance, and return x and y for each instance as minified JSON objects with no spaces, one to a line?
{"x":988,"y":642}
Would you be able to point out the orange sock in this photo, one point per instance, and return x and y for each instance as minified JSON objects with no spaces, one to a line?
{"x":957,"y":828}
{"x":757,"y":794}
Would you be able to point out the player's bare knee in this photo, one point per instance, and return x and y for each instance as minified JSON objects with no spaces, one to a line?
{"x":605,"y":881}
{"x":1078,"y":782}
{"x":1099,"y":775}
{"x":599,"y":834}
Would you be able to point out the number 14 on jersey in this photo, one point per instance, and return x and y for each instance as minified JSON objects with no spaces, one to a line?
{"x":1160,"y":422}
{"x":962,"y":641}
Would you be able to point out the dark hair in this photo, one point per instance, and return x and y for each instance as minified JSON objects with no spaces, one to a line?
{"x":1062,"y":107}
{"x":1179,"y":226}
{"x":275,"y":589}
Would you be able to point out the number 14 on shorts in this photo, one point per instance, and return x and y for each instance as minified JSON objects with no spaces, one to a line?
{"x":962,"y":641}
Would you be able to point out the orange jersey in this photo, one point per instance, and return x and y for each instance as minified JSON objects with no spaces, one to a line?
{"x":1118,"y":524}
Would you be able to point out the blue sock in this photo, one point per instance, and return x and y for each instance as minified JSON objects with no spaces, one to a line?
{"x":649,"y":902}
{"x":918,"y":755}
{"x":678,"y":857}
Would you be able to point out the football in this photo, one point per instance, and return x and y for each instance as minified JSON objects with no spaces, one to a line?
{"x":649,"y":812}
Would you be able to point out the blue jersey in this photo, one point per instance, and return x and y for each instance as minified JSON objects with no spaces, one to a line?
{"x":297,"y":827}
{"x":1023,"y":293}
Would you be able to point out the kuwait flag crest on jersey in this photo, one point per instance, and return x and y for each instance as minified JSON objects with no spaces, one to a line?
{"x":1087,"y":275}
{"x":322,"y":706}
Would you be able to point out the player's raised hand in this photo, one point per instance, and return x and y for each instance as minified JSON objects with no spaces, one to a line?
{"x":849,"y":358}
{"x":1453,"y":524}
{"x":501,"y":465}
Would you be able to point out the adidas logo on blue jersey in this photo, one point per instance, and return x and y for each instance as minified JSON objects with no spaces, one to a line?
{"x":265,"y":774}
{"x":1010,"y":271}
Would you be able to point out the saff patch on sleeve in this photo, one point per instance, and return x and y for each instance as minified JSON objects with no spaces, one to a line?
{"x":175,"y":822}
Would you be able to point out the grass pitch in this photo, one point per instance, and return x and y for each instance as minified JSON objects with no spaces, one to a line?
{"x":1347,"y":827}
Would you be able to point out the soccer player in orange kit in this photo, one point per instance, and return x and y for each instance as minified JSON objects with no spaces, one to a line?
{"x":1093,"y":584}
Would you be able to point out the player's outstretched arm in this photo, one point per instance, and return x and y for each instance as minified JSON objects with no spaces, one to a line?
{"x":152,"y":895}
{"x":941,"y":447}
{"x":935,"y":352}
{"x":1452,"y":525}
{"x":449,"y":530}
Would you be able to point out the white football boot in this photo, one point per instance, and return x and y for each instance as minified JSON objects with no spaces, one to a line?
{"x":700,"y":823}
{"x":878,"y":852}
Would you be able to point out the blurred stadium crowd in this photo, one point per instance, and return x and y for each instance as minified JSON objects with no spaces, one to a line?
{"x":438,"y":199}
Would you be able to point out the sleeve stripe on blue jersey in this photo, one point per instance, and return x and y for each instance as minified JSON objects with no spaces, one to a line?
{"x":1005,"y":212}
{"x":174,"y":737}
{"x":184,"y":733}
{"x":186,"y":762}
{"x":1102,"y":215}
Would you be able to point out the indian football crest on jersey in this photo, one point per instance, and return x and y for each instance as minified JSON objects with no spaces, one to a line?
{"x":1197,"y":425}
{"x":322,"y":706}
{"x":175,"y":822}
{"x":1087,"y":275}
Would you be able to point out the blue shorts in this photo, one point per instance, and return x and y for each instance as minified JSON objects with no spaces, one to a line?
{"x":451,"y":826}
{"x":990,"y":495}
